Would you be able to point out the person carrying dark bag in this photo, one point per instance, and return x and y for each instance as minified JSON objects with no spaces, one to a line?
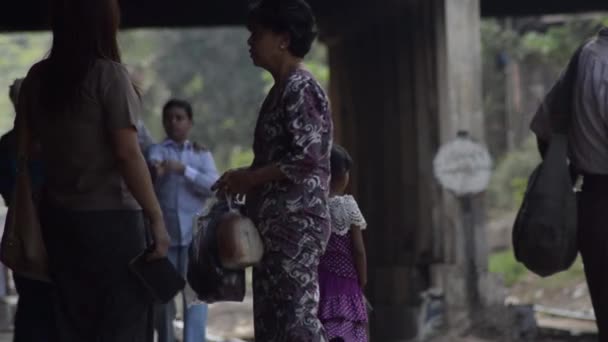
{"x":579,"y":100}
{"x":545,"y":229}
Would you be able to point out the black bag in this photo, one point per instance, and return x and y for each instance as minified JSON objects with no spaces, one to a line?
{"x":544,"y":234}
{"x":206,"y":276}
{"x":159,"y":277}
{"x":545,"y":230}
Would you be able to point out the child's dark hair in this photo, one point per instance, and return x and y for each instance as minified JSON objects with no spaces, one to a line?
{"x":341,"y":162}
{"x":185,"y":105}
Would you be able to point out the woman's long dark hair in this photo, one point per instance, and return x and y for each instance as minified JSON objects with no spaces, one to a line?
{"x":83,"y":31}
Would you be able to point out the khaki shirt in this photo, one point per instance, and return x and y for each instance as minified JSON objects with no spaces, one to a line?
{"x":81,"y":169}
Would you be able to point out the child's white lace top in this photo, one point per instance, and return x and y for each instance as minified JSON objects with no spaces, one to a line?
{"x":345,"y":213}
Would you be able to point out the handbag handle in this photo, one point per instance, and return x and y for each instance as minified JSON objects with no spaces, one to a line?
{"x":230,"y":199}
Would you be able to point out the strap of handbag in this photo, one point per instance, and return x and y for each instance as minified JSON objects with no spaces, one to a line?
{"x":562,"y":100}
{"x":562,"y":105}
{"x":23,"y":142}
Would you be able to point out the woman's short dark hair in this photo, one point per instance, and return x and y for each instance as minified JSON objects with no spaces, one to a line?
{"x":176,"y":103}
{"x":340,"y":160}
{"x":293,"y":17}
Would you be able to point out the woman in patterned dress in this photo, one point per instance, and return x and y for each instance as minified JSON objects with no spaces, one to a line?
{"x":287,"y":186}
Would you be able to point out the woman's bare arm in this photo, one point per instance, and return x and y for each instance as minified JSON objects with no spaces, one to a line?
{"x":137,"y":177}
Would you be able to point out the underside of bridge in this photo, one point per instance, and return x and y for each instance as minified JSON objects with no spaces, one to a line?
{"x":405,"y":77}
{"x":25,"y":15}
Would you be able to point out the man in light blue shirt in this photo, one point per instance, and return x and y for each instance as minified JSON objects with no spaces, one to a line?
{"x":184,"y":173}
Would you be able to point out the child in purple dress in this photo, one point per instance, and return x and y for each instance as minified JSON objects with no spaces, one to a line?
{"x":343,"y":267}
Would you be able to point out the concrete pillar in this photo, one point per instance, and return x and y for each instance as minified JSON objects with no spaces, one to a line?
{"x":460,"y":81}
{"x":405,"y":77}
{"x":461,"y":108}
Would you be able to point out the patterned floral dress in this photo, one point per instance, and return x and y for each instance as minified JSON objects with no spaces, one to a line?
{"x":294,"y":131}
{"x":342,"y":308}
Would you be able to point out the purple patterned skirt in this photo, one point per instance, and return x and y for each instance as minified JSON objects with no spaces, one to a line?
{"x":342,"y":307}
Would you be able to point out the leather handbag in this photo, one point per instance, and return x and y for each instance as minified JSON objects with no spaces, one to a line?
{"x":239,"y":242}
{"x":207,"y":277}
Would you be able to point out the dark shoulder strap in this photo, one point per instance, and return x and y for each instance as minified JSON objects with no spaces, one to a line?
{"x":563,"y":105}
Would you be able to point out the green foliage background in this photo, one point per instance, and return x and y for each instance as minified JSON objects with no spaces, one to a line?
{"x":208,"y":67}
{"x":211,"y":69}
{"x":549,"y":50}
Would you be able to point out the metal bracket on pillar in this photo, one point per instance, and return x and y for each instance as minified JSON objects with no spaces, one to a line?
{"x":464,"y":167}
{"x":472,"y":276}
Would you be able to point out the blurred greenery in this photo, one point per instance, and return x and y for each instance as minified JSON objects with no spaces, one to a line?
{"x":510,"y":178}
{"x":210,"y":68}
{"x":17,"y":53}
{"x":540,"y":49}
{"x":551,"y":48}
{"x":546,"y":50}
{"x":512,"y":272}
{"x":504,"y":264}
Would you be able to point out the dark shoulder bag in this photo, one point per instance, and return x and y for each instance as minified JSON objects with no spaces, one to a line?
{"x":545,"y":231}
